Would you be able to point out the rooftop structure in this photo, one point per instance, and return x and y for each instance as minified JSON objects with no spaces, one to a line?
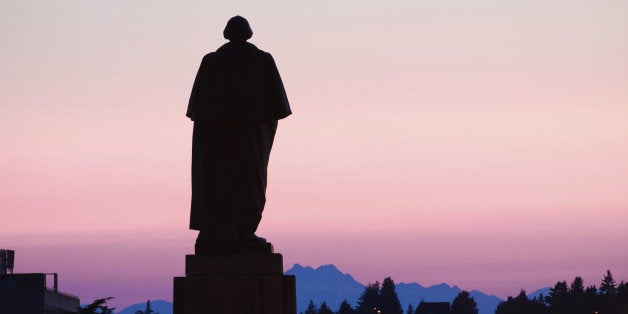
{"x":29,"y":294}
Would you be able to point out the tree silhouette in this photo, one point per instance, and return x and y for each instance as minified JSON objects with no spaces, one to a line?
{"x":369,"y":300}
{"x":558,"y":298}
{"x":345,"y":308}
{"x":311,"y":308}
{"x":388,"y":299}
{"x":577,"y":287}
{"x":147,"y":310}
{"x":591,"y":298}
{"x":410,"y":309}
{"x":621,"y":297}
{"x":464,"y":304}
{"x":324,"y":309}
{"x":537,"y":304}
{"x":608,"y":284}
{"x":95,"y":307}
{"x":573,"y":300}
{"x":106,"y":310}
{"x":522,"y":305}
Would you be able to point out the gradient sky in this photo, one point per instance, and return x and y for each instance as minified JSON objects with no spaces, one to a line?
{"x":477,"y":143}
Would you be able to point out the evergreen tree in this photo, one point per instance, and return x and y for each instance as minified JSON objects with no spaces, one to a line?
{"x":106,"y":310}
{"x":410,"y":309}
{"x":369,"y":300}
{"x":389,"y":301}
{"x":622,"y":297}
{"x":622,"y":287}
{"x":539,"y":297}
{"x":538,"y":305}
{"x":311,"y":308}
{"x":591,"y":298}
{"x":577,"y":287}
{"x":464,"y":304}
{"x":522,"y":305}
{"x":576,"y":301}
{"x":324,"y":309}
{"x":95,"y":307}
{"x":608,"y":284}
{"x":506,"y":307}
{"x":512,"y":305}
{"x":345,"y":308}
{"x":558,"y":298}
{"x":148,"y":310}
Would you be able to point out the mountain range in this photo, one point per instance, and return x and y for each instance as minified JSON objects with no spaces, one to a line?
{"x":328,"y":284}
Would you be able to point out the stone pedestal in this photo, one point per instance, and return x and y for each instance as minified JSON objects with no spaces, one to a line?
{"x":240,"y":283}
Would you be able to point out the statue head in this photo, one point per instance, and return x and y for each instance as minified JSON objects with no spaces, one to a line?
{"x":238,"y":29}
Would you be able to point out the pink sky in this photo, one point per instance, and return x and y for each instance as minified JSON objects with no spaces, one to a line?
{"x":475,"y":143}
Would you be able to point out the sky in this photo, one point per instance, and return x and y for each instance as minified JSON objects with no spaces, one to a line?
{"x":478,"y":143}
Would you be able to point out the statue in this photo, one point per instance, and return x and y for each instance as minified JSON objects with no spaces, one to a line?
{"x":236,"y":101}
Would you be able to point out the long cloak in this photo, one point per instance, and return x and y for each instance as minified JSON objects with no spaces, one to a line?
{"x":237,"y":98}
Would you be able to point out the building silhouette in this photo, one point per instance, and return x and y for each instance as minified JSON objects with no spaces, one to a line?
{"x":29,"y":294}
{"x":433,"y":308}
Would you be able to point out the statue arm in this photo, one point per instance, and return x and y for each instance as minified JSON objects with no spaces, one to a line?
{"x":192,"y":106}
{"x":279,"y":99}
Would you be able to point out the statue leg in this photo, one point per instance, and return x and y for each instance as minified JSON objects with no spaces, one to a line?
{"x":260,"y":137}
{"x":229,"y":178}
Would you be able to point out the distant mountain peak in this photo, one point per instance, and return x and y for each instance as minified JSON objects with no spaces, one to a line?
{"x":327,"y":267}
{"x":299,"y":266}
{"x":410,"y":284}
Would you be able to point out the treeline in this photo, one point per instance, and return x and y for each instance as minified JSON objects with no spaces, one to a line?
{"x":610,"y":298}
{"x":382,"y":299}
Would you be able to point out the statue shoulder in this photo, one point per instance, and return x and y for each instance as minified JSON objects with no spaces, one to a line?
{"x":266,"y":57}
{"x":209,"y":60}
{"x":209,"y":56}
{"x":259,"y":52}
{"x":264,"y":54}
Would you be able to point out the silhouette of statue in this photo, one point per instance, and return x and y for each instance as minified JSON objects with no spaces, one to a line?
{"x":236,"y":100}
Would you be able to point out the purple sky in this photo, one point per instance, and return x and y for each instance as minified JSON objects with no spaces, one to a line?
{"x":476,"y":143}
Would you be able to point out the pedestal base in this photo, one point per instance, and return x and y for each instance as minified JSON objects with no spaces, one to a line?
{"x":235,"y":284}
{"x":237,"y":294}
